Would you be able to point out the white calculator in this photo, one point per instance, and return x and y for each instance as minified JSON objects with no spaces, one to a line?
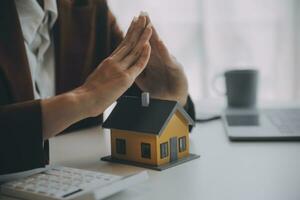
{"x":64,"y":183}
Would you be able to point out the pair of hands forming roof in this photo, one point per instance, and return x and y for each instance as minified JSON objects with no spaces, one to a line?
{"x":141,"y":58}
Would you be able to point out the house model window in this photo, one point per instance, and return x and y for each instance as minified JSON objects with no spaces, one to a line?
{"x":164,"y":150}
{"x":146,"y":150}
{"x":120,"y":146}
{"x":182,"y":144}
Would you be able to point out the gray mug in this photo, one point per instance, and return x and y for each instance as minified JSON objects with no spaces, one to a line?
{"x":241,"y":87}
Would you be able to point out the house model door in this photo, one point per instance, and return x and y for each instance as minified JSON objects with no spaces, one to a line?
{"x":173,"y":149}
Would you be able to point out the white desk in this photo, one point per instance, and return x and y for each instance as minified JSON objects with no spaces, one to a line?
{"x":225,"y":170}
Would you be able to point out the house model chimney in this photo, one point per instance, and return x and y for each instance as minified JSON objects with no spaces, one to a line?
{"x":145,"y":99}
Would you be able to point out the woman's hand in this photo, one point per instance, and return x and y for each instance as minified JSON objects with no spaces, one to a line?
{"x":163,"y":77}
{"x":118,"y":72}
{"x":105,"y":85}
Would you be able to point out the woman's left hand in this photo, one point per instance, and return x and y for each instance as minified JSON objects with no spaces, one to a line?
{"x":163,"y":77}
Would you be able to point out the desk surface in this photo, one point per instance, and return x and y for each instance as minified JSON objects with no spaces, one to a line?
{"x":226,"y":170}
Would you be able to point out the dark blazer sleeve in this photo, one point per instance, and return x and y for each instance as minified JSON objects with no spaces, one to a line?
{"x":21,"y":141}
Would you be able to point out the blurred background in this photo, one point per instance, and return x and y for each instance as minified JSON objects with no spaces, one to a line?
{"x":210,"y":36}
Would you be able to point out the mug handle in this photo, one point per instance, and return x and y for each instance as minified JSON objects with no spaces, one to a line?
{"x":214,"y":85}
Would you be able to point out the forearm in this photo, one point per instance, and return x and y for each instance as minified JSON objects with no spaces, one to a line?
{"x":61,"y":111}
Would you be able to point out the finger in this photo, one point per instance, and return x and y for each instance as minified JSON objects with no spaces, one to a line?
{"x":126,"y":55}
{"x":131,"y":28}
{"x":129,"y":32}
{"x":157,"y":44}
{"x":148,"y":20}
{"x":120,"y":53}
{"x":141,"y":63}
{"x":133,"y":37}
{"x":138,"y":30}
{"x":155,"y":36}
{"x":135,"y":53}
{"x":163,"y":51}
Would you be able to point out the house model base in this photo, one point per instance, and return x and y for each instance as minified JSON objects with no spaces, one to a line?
{"x":153,"y":167}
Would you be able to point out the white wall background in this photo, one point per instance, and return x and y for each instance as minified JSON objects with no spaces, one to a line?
{"x":210,"y":36}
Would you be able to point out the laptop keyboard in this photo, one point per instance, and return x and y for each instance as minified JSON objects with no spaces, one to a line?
{"x":286,"y":120}
{"x":242,"y":120}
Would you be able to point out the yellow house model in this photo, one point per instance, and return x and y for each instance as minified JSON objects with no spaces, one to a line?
{"x":149,"y":133}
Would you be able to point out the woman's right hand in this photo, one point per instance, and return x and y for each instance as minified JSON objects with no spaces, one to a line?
{"x":117,"y":73}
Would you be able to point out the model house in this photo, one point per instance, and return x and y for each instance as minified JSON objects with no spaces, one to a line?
{"x":147,"y":131}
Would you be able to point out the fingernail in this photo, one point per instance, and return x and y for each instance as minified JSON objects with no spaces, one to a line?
{"x":135,"y":19}
{"x":149,"y":25}
{"x":143,"y":13}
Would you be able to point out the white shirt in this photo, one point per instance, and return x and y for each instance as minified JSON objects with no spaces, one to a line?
{"x":36,"y":24}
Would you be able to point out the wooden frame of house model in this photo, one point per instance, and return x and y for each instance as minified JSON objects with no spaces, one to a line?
{"x":150,"y":133}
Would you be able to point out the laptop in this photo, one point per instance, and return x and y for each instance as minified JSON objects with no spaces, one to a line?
{"x":280,"y":124}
